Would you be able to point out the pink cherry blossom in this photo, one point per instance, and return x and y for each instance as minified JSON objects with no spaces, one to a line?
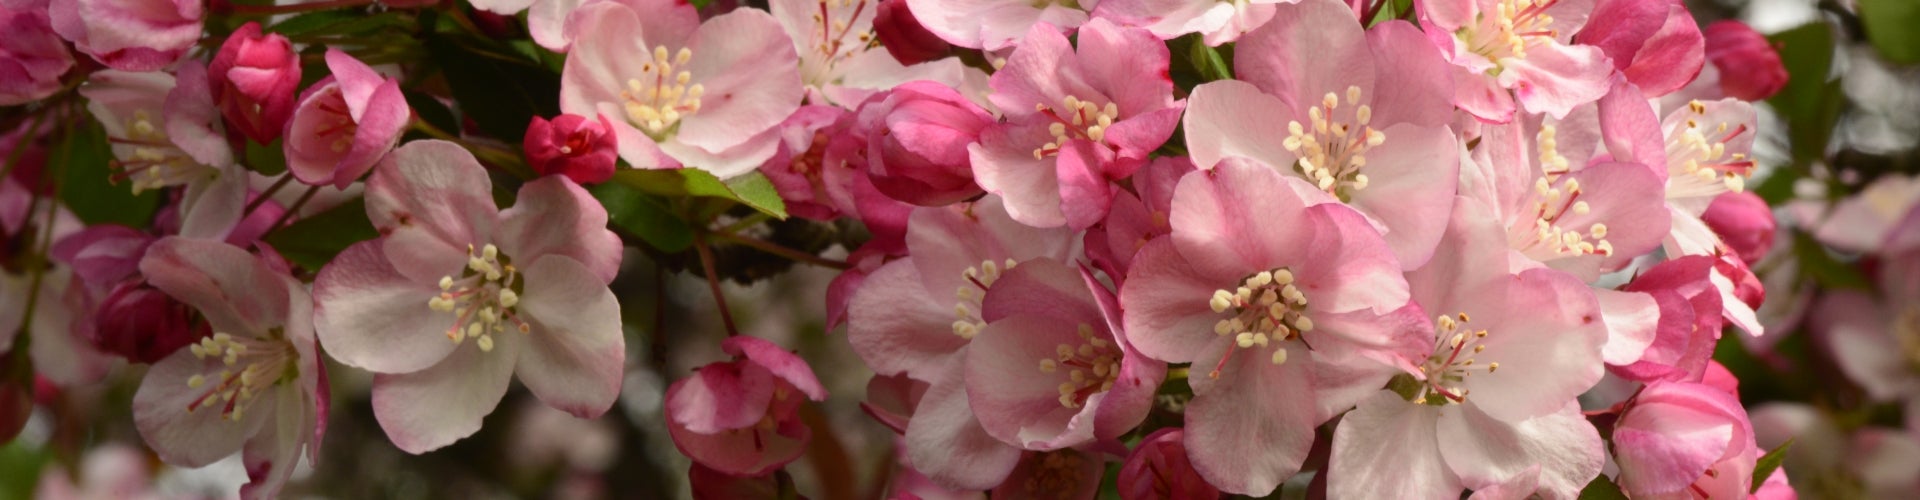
{"x":1050,"y":370}
{"x":902,"y":320}
{"x":165,"y":130}
{"x":1561,"y":210}
{"x":1709,"y":152}
{"x":995,"y":24}
{"x":1136,"y":220}
{"x":813,"y":166}
{"x":254,"y":78}
{"x":903,"y":36}
{"x":345,"y":123}
{"x":256,"y":386}
{"x":136,"y":35}
{"x":1158,"y":468}
{"x":459,"y":296}
{"x":573,"y":146}
{"x":32,"y":56}
{"x":1515,"y":54}
{"x":1689,"y":320}
{"x":741,"y":417}
{"x":1750,"y":69}
{"x":1685,"y":439}
{"x":1861,"y":223}
{"x":917,"y":138}
{"x":1876,"y":336}
{"x":1264,"y":263}
{"x":1510,"y":352}
{"x":1655,"y":44}
{"x":1311,"y":106}
{"x":1077,"y":118}
{"x":684,"y":93}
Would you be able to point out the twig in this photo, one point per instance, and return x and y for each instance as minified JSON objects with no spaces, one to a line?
{"x":796,"y":255}
{"x":265,"y":195}
{"x":713,"y":282}
{"x":295,"y":208}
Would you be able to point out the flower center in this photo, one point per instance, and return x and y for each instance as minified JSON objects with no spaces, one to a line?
{"x":660,"y":97}
{"x":1332,"y":151}
{"x":1452,"y":361}
{"x":153,"y":161}
{"x":249,"y":366}
{"x":1513,"y":26}
{"x":1075,"y":119}
{"x":834,"y":40}
{"x":1091,"y":367}
{"x":1265,"y":309}
{"x":1549,"y":237}
{"x":978,"y":279}
{"x":339,"y":121}
{"x":1697,"y":156}
{"x":483,"y":299}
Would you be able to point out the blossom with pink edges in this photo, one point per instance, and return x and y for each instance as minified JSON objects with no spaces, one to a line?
{"x":740,"y":417}
{"x":345,"y":123}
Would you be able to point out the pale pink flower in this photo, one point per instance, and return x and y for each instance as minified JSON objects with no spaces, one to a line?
{"x":1158,"y":468}
{"x":1317,"y":102}
{"x":1560,"y":209}
{"x":682,"y":92}
{"x":549,"y":22}
{"x":345,"y":123}
{"x":32,"y":56}
{"x":1655,"y":44}
{"x":995,"y":24}
{"x":1050,"y":369}
{"x":1218,"y":22}
{"x":1685,"y":440}
{"x":1878,"y":338}
{"x":254,"y":78}
{"x":165,"y":131}
{"x":1709,"y":151}
{"x":1289,"y":306}
{"x":129,"y":35}
{"x":1508,"y":51}
{"x":1077,"y":119}
{"x":1510,"y":353}
{"x":741,"y":417}
{"x":255,"y":386}
{"x":458,"y":296}
{"x":902,"y":320}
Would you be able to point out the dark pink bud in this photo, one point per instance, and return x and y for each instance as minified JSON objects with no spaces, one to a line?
{"x":32,"y":56}
{"x":573,"y":146}
{"x":1749,"y":67}
{"x":917,"y":136}
{"x":1158,"y":469}
{"x":142,"y":324}
{"x":904,"y":37}
{"x":254,"y":79}
{"x":1744,"y":223}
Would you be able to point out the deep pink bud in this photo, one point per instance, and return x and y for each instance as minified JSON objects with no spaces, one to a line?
{"x":904,"y":37}
{"x":142,"y":324}
{"x":1749,"y":67}
{"x":1158,"y":468}
{"x":573,"y":146}
{"x":1744,"y":223}
{"x":917,"y":136}
{"x":254,"y":79}
{"x":32,"y":56}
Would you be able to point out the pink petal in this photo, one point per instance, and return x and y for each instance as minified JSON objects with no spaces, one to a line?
{"x":1251,"y":431}
{"x":1129,"y":65}
{"x":1041,"y":287}
{"x":1014,"y":400}
{"x":721,"y":397}
{"x":749,"y":451}
{"x":1230,"y":118}
{"x":554,"y":216}
{"x":1387,"y":448}
{"x":1307,"y":50}
{"x":572,"y":358}
{"x":897,"y":326}
{"x":236,"y":292}
{"x":437,"y":186}
{"x":1553,"y":78}
{"x":1004,"y":165}
{"x":946,"y":443}
{"x":1085,"y":193}
{"x":1238,"y":219}
{"x":367,"y":315}
{"x":944,"y":242}
{"x":1485,"y":452}
{"x":1399,"y":47}
{"x":1167,"y":316}
{"x":1347,"y":266}
{"x":429,"y":409}
{"x":270,"y":456}
{"x":1043,"y":70}
{"x":1547,"y":341}
{"x":1632,"y":319}
{"x":781,"y":362}
{"x":751,"y":75}
{"x":188,"y":438}
{"x":1413,"y":179}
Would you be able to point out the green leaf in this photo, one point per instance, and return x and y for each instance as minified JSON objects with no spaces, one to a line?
{"x":699,"y":4}
{"x":501,"y":91}
{"x":643,"y":215}
{"x":340,"y":22}
{"x":1825,"y":270}
{"x":20,"y":464}
{"x":313,"y":241}
{"x":1208,"y":61}
{"x":1769,"y":463}
{"x":1602,"y":488}
{"x":430,"y":110}
{"x":87,"y":187}
{"x":753,"y":190}
{"x":1810,"y":103}
{"x":1890,"y":25}
{"x":269,"y":160}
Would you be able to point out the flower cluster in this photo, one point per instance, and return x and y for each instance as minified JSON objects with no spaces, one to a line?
{"x":1361,"y":248}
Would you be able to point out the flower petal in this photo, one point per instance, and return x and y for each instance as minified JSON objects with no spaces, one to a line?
{"x":1387,"y":448}
{"x":572,"y":359}
{"x":554,"y":216}
{"x":367,"y":315}
{"x":429,"y":409}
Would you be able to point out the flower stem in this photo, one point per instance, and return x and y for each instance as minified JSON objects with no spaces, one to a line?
{"x":713,"y":282}
{"x":268,"y":10}
{"x":295,"y":208}
{"x":772,"y":248}
{"x":265,"y":195}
